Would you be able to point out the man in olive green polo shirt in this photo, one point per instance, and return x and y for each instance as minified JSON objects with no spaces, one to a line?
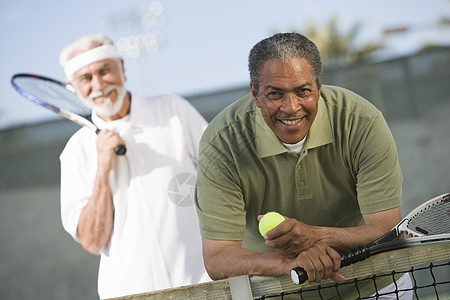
{"x":321,"y":156}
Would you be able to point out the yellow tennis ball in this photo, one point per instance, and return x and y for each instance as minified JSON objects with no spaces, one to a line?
{"x":269,"y":221}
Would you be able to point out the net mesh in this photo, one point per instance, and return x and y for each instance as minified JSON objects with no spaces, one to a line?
{"x":427,"y":265}
{"x":427,"y":283}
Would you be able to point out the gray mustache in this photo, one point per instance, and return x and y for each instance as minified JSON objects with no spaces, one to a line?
{"x":96,"y":94}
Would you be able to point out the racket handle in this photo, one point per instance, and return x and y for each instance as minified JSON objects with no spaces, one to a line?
{"x":299,"y":275}
{"x":120,"y":150}
{"x":358,"y":254}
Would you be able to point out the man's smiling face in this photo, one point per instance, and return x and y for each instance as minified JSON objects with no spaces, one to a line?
{"x":288,"y":97}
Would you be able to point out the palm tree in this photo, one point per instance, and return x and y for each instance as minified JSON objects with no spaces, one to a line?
{"x":338,"y":48}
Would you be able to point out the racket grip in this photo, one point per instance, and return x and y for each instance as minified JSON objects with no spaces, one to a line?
{"x":120,"y":150}
{"x":299,"y":275}
{"x":358,"y":254}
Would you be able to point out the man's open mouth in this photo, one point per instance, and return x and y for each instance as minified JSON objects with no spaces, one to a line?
{"x":292,"y":121}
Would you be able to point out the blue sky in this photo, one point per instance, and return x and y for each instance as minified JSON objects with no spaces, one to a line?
{"x":205,"y":44}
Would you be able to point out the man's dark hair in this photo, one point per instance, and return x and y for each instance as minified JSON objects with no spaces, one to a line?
{"x":283,"y":46}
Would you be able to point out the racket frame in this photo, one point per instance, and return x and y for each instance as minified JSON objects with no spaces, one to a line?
{"x":78,"y":119}
{"x":386,"y":242}
{"x":402,"y":226}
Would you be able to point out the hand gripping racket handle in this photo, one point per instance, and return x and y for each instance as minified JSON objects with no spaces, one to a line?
{"x":120,"y":150}
{"x":299,"y":276}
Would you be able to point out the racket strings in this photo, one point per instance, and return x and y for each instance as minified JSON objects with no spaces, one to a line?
{"x":52,"y":93}
{"x":432,"y":220}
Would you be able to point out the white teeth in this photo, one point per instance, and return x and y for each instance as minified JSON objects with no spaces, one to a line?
{"x":289,"y":122}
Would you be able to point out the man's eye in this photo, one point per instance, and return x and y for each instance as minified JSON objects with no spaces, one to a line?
{"x":303,"y":92}
{"x":83,"y":79}
{"x":274,"y":95}
{"x":103,"y":72}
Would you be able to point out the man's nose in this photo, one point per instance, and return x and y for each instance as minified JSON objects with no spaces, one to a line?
{"x":290,"y":103}
{"x":97,"y":83}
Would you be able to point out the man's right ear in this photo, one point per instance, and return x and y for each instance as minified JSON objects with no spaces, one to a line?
{"x":70,"y":87}
{"x":254,"y":93}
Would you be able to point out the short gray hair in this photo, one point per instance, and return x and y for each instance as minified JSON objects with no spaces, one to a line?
{"x":283,"y":46}
{"x":82,"y":44}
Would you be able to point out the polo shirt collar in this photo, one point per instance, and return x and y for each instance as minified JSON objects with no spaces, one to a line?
{"x":268,"y":144}
{"x":320,"y":132}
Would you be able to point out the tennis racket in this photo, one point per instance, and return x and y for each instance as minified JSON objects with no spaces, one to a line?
{"x":427,"y":223}
{"x":55,"y":96}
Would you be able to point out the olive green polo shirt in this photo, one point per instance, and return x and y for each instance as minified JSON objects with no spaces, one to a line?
{"x":348,"y":167}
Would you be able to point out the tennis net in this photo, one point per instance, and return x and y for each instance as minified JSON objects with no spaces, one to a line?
{"x":428,"y":266}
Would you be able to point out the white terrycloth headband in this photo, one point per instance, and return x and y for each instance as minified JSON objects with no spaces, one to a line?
{"x":88,"y":57}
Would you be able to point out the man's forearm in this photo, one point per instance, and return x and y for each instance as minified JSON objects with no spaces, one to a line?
{"x":292,"y":237}
{"x":377,"y":225}
{"x":97,"y":218}
{"x":345,"y":239}
{"x":224,"y":259}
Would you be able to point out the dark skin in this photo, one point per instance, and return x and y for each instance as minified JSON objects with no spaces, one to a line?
{"x":288,"y":98}
{"x":292,"y":236}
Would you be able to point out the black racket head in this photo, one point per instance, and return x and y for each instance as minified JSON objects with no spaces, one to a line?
{"x":50,"y":93}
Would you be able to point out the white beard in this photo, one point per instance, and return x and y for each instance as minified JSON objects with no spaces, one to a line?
{"x":108,"y":108}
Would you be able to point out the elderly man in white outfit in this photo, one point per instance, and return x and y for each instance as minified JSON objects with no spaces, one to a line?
{"x":134,"y":210}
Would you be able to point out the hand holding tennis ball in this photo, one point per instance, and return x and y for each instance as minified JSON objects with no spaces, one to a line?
{"x":269,"y":221}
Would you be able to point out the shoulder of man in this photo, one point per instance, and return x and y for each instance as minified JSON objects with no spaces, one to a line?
{"x":345,"y":99}
{"x":165,"y":100}
{"x":80,"y":142}
{"x":157,"y":109}
{"x":162,"y":104}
